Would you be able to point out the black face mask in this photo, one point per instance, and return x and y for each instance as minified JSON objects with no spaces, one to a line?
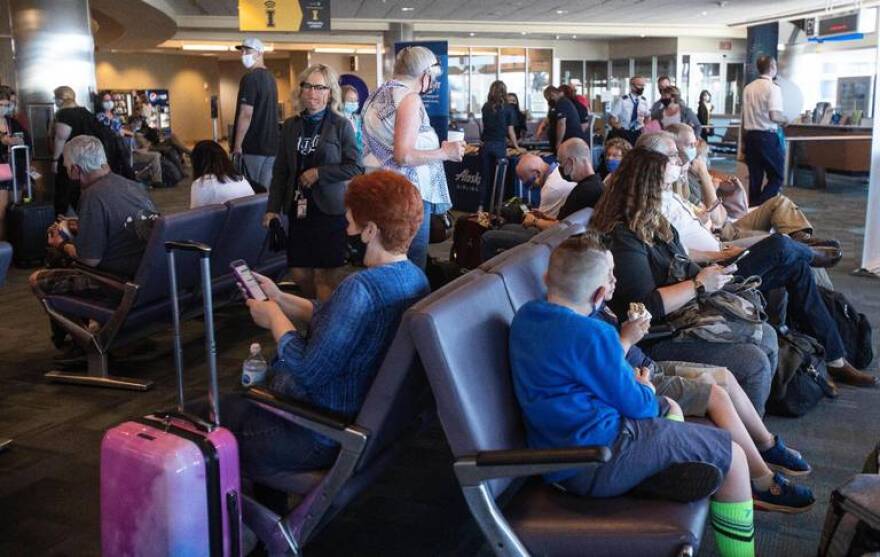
{"x":665,"y":102}
{"x":639,"y":90}
{"x":357,"y":250}
{"x":565,"y":175}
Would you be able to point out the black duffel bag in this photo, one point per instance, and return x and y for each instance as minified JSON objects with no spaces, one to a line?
{"x":801,"y":378}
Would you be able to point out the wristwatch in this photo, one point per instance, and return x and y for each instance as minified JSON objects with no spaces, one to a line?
{"x":699,"y":287}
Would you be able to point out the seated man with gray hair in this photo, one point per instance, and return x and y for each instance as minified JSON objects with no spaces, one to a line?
{"x":108,"y":235}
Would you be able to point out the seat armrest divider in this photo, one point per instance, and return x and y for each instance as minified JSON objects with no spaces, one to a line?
{"x":490,"y":465}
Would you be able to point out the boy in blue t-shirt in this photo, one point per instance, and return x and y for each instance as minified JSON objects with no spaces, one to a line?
{"x":576,"y":388}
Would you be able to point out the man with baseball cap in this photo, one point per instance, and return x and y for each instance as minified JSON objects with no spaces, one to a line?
{"x":254,"y":139}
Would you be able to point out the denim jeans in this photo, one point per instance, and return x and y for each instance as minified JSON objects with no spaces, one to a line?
{"x":783,"y":263}
{"x":764,"y":155}
{"x":418,"y":249}
{"x":752,"y":365}
{"x":268,"y":444}
{"x":259,"y":170}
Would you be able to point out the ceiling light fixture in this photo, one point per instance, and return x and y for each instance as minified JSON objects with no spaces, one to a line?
{"x":574,"y":36}
{"x":211,"y":47}
{"x":704,"y":13}
{"x":407,"y":9}
{"x":557,"y":37}
{"x":523,"y":32}
{"x":472,"y":34}
{"x":561,"y":12}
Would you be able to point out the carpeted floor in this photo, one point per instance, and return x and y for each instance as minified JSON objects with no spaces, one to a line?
{"x":49,"y":479}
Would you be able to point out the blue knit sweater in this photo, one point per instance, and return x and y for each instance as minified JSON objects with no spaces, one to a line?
{"x":572,"y":380}
{"x":349,"y":335}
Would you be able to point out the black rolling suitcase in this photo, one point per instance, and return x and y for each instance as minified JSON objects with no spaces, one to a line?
{"x":469,"y":229}
{"x":27,"y":220}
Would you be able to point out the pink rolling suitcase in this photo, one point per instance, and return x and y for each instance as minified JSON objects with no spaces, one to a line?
{"x":170,"y":483}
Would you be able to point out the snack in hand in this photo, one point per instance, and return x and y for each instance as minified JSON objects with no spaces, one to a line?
{"x":637,"y":310}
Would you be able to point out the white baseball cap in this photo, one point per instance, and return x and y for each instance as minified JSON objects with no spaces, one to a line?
{"x":252,"y":43}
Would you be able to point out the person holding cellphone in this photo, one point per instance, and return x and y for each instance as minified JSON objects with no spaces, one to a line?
{"x":318,"y":154}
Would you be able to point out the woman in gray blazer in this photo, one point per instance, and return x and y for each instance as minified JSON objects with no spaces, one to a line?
{"x":672,"y":111}
{"x":317,"y":156}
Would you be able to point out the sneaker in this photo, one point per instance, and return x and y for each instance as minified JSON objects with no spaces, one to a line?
{"x":783,"y":497}
{"x":782,"y":459}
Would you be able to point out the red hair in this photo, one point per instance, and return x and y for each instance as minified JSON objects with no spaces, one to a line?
{"x":392,"y":202}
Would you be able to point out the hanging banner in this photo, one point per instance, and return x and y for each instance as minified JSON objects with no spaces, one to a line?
{"x":284,"y":15}
{"x":761,"y":40}
{"x":436,"y":101}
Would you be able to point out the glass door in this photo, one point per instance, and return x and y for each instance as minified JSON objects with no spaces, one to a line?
{"x":722,"y":77}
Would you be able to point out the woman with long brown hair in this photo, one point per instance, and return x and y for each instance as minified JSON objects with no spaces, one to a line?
{"x":652,"y":268}
{"x":498,"y":127}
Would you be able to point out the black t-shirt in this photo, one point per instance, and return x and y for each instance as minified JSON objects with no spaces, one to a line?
{"x":582,"y":111}
{"x":566,"y":109}
{"x":308,"y":141}
{"x":495,"y":122}
{"x":80,"y":120}
{"x":257,"y":89}
{"x":585,"y":194}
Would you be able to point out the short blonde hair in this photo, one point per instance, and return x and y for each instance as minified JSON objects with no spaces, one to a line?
{"x":331,"y":79}
{"x":65,"y":93}
{"x":413,"y":61}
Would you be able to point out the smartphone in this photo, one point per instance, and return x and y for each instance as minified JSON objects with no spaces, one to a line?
{"x":247,"y":281}
{"x":732,"y":260}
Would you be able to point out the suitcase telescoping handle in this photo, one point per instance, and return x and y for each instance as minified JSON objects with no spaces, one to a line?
{"x":13,"y":165}
{"x":204,"y":252}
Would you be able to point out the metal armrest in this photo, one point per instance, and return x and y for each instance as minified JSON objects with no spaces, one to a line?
{"x":473,"y":470}
{"x":302,"y":413}
{"x":100,"y":276}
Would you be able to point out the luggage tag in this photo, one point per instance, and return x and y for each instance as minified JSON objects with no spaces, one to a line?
{"x":301,"y":204}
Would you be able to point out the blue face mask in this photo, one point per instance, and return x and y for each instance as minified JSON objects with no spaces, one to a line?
{"x":350,"y":107}
{"x":612,"y":164}
{"x":690,"y":153}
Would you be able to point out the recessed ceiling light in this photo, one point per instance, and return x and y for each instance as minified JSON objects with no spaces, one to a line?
{"x":704,"y":13}
{"x":557,"y":37}
{"x":472,"y":34}
{"x":560,"y":12}
{"x":406,"y":9}
{"x":642,"y":36}
{"x":524,"y":33}
{"x":574,"y":36}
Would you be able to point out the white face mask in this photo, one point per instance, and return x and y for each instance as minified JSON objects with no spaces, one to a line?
{"x":672,"y":174}
{"x":248,"y":60}
{"x":108,"y":105}
{"x":59,"y":103}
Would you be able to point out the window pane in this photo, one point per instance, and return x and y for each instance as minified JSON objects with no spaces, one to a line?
{"x":736,"y":75}
{"x":540,"y":75}
{"x":706,"y":76}
{"x":619,"y":79}
{"x":644,"y":68}
{"x":573,"y":74}
{"x":597,"y":81}
{"x":513,"y":72}
{"x":458,"y":84}
{"x":484,"y":64}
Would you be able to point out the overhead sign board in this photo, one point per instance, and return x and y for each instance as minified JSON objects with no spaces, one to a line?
{"x":842,"y":24}
{"x":284,"y":15}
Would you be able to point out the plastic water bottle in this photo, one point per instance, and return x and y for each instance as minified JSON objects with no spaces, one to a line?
{"x":255,"y":367}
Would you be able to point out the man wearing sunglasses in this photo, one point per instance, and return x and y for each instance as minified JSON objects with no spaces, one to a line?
{"x":254,"y":140}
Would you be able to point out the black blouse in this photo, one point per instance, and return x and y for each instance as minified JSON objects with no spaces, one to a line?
{"x":641,"y":269}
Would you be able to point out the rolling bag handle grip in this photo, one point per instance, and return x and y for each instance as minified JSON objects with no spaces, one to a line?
{"x":204,"y":252}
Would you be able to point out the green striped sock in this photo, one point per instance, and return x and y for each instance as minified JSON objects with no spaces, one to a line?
{"x":734,"y":528}
{"x":673,"y":417}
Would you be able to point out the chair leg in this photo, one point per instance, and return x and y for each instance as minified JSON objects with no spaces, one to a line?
{"x":269,"y":528}
{"x":98,"y":375}
{"x":5,"y":444}
{"x":498,"y":533}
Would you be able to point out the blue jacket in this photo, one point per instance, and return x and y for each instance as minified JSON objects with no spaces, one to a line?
{"x":572,"y":380}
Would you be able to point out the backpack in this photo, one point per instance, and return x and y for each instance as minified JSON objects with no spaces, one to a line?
{"x":114,"y":148}
{"x":801,"y":378}
{"x":854,"y":328}
{"x":852,"y":523}
{"x":171,"y":173}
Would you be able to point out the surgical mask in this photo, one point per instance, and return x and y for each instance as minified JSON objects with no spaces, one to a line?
{"x":350,"y":107}
{"x":357,"y":250}
{"x":690,"y":153}
{"x":58,"y":103}
{"x":248,"y":60}
{"x":672,"y":173}
{"x":565,"y":175}
{"x":665,"y":102}
{"x":108,"y":105}
{"x":612,"y":164}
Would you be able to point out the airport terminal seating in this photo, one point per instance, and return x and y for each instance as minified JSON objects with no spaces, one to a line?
{"x":398,"y":403}
{"x":5,"y":260}
{"x":461,"y":339}
{"x":233,"y":230}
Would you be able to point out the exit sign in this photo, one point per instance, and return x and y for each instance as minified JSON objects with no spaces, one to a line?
{"x":725,"y":45}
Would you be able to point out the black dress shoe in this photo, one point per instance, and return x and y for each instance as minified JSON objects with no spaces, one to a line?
{"x":825,"y":257}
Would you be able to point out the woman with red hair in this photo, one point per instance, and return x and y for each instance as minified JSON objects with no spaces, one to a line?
{"x":333,"y":367}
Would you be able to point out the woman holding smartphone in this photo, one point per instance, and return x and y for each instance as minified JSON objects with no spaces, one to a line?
{"x":318,"y":154}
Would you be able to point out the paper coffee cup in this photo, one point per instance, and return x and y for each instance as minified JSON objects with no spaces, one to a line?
{"x":455,"y":136}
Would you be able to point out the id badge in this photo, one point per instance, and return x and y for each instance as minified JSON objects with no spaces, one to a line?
{"x":301,"y":205}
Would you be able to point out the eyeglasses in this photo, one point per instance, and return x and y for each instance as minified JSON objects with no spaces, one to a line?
{"x":312,"y":87}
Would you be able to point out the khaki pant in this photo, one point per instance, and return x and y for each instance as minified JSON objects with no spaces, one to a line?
{"x":778,"y":213}
{"x":154,"y":163}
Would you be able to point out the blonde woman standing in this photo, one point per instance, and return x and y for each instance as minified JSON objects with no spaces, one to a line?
{"x":317,"y":156}
{"x":398,"y":136}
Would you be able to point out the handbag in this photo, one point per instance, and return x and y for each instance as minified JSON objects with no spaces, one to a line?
{"x":441,"y":224}
{"x":801,"y":378}
{"x":734,"y":314}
